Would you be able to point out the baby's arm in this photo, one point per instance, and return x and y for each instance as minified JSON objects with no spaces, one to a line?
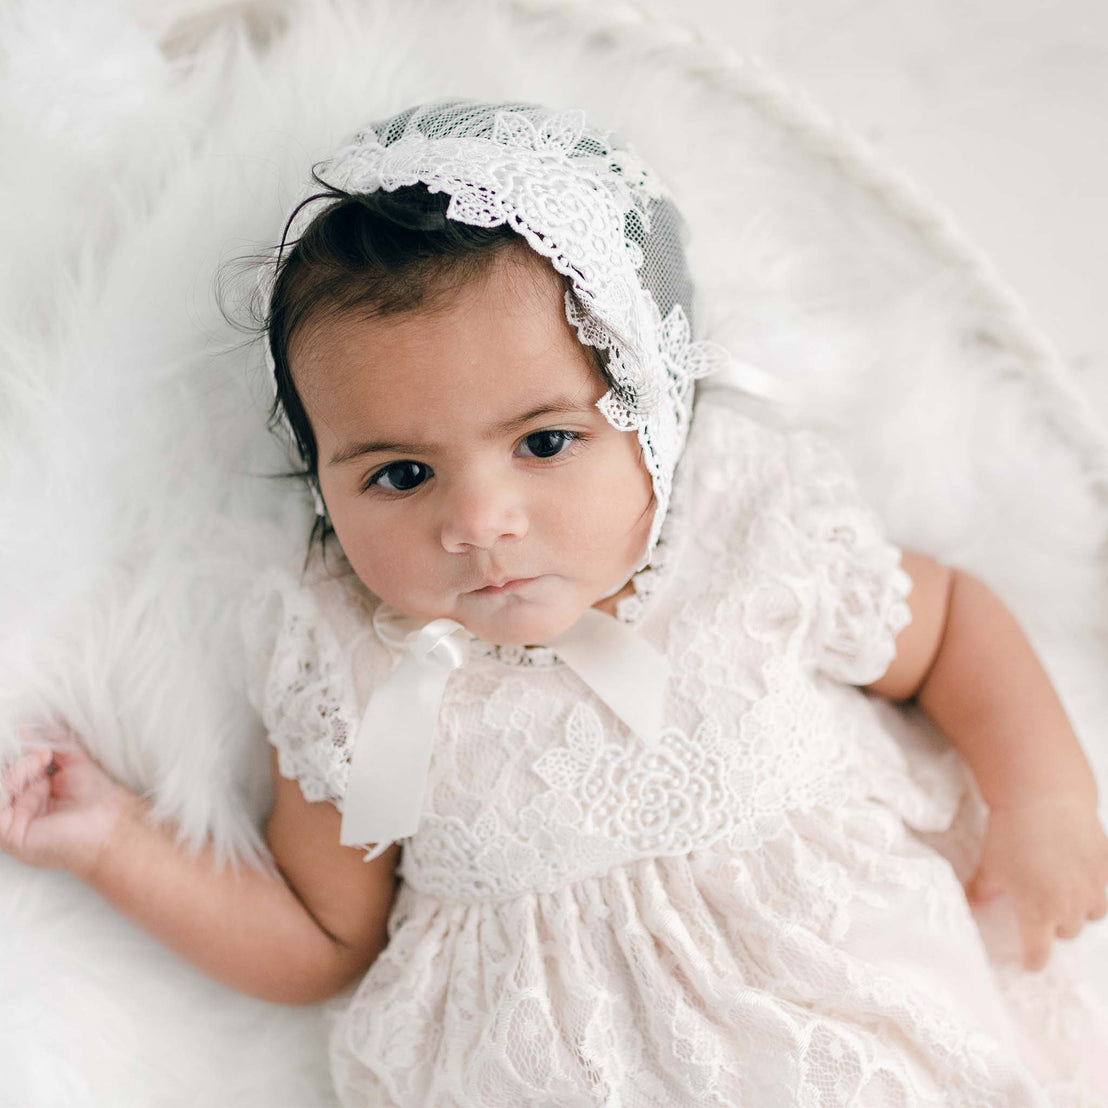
{"x":969,"y":666}
{"x":293,"y":941}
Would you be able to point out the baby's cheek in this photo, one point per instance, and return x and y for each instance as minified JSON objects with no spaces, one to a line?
{"x":611,"y":493}
{"x":587,"y":532}
{"x":634,"y":511}
{"x":385,"y":565}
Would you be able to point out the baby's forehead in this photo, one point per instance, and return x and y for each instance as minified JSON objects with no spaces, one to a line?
{"x":504,"y":333}
{"x":510,"y":284}
{"x":513,"y":280}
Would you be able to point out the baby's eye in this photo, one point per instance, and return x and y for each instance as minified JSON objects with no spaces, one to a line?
{"x":546,"y":444}
{"x":399,"y":476}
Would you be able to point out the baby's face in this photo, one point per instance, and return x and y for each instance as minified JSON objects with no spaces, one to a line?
{"x":443,"y":477}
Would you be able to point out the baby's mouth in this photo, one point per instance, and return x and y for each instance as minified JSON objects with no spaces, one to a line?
{"x":509,"y":585}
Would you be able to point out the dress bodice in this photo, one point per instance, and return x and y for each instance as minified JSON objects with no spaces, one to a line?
{"x":746,"y":913}
{"x":774,"y":584}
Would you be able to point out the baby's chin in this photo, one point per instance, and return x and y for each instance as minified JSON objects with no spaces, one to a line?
{"x":531,"y":633}
{"x":511,"y":621}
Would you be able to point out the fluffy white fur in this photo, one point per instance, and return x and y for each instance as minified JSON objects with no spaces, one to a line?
{"x":142,"y":150}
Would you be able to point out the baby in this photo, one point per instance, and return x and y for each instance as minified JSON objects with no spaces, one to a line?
{"x":577,"y":799}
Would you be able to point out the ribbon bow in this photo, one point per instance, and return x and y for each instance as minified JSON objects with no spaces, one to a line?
{"x":392,"y":748}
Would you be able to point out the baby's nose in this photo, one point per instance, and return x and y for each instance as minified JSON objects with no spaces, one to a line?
{"x":482,"y":516}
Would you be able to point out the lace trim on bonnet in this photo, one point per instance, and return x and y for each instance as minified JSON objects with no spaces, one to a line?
{"x":590,"y":206}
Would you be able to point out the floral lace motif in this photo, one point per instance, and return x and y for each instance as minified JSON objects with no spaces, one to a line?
{"x":586,"y":203}
{"x":586,"y":921}
{"x":788,"y":554}
{"x":304,"y":697}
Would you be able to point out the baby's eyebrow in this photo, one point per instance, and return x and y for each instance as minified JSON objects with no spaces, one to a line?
{"x":562,"y":405}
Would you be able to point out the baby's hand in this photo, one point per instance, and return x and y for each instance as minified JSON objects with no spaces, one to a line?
{"x":58,"y":807}
{"x":1050,"y":854}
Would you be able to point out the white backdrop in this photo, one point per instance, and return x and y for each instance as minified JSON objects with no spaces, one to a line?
{"x":999,"y":108}
{"x":131,"y":426}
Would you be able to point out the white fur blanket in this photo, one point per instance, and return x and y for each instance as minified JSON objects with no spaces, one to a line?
{"x":139,"y":156}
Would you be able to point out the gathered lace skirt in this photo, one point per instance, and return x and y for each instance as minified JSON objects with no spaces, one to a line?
{"x":836,"y":964}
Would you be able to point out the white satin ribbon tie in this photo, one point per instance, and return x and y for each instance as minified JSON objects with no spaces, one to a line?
{"x":393,"y":744}
{"x":621,"y":667}
{"x":392,"y":749}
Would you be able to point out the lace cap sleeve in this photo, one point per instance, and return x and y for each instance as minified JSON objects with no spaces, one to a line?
{"x":301,"y":643}
{"x":860,"y":588}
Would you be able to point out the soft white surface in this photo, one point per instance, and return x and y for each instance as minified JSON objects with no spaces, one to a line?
{"x":997,"y":107}
{"x":131,"y":432}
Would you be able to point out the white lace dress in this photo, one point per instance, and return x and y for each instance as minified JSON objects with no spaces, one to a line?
{"x":750,"y":915}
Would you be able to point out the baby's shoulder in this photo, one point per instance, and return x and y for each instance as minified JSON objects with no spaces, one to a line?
{"x":746,"y":462}
{"x":735,"y":463}
{"x":325,"y":591}
{"x":309,"y":625}
{"x":783,"y":520}
{"x":771,"y":493}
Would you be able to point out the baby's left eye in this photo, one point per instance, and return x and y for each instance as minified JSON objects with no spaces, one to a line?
{"x":547,"y":444}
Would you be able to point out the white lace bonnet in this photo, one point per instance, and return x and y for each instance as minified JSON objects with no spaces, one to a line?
{"x":586,"y":202}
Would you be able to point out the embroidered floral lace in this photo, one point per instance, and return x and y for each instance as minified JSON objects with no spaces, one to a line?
{"x":747,"y":916}
{"x":585,"y":202}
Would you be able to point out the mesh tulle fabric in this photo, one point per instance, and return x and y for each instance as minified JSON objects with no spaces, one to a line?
{"x":746,"y":916}
{"x":586,"y":202}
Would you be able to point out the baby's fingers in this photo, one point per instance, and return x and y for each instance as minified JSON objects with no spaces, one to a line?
{"x":1036,"y":934}
{"x":29,"y":798}
{"x":26,"y":770}
{"x":16,"y":817}
{"x":57,"y":732}
{"x":982,"y":887}
{"x":1093,"y":906}
{"x":1100,"y":906}
{"x":1070,"y":928}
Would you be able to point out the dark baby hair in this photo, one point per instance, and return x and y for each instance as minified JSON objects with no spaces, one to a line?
{"x":376,"y":254}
